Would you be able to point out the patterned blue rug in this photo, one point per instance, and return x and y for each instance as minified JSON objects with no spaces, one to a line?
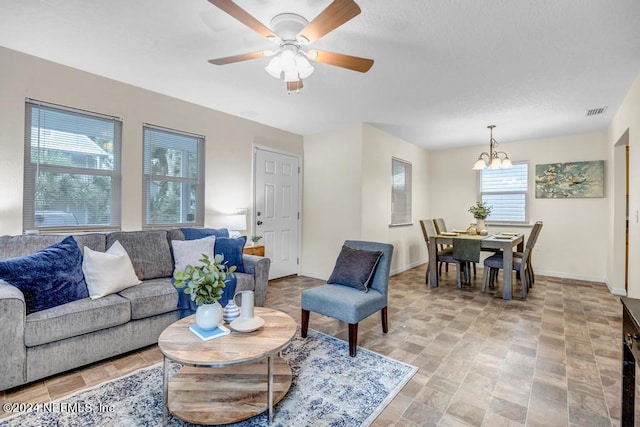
{"x":329,"y":388}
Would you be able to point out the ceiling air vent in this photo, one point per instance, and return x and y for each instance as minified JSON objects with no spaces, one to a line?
{"x":596,"y":111}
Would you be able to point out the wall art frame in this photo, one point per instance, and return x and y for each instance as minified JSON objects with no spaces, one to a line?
{"x":570,"y":180}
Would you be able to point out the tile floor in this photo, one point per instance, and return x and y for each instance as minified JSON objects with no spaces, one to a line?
{"x":552,"y":360}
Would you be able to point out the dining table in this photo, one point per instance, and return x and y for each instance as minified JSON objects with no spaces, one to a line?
{"x":502,"y":241}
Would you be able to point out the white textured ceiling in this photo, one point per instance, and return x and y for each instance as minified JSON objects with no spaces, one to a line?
{"x":444,"y":69}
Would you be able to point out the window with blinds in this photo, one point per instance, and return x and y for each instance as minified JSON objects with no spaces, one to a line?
{"x":174,"y":177}
{"x":400,"y":192}
{"x":71,"y":169}
{"x":506,"y":191}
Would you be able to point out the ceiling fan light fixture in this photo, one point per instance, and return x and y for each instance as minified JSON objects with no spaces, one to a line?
{"x":291,"y":76}
{"x":305,"y":69}
{"x":274,"y":67}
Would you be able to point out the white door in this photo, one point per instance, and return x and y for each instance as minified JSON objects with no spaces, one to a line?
{"x":276,"y":215}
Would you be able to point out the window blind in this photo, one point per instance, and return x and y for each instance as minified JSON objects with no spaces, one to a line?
{"x":400,"y":192}
{"x":506,"y":191}
{"x":71,"y":168}
{"x":174,"y":177}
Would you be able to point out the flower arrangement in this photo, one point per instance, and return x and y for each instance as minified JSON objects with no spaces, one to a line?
{"x":480,"y":210}
{"x":205,"y":283}
{"x":255,"y":238}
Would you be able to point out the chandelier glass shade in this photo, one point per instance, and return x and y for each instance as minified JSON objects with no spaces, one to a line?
{"x":493,"y":159}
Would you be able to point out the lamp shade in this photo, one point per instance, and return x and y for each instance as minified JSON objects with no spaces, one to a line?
{"x":274,"y":68}
{"x":479,"y":165}
{"x":237,"y":222}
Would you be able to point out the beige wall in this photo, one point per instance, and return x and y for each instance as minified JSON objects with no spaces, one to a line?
{"x":625,"y":129}
{"x":573,"y":240}
{"x":347,"y":195}
{"x":229,"y":139}
{"x":346,"y":174}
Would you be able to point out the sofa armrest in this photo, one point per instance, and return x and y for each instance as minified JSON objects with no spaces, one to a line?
{"x":13,"y":353}
{"x":259,"y":267}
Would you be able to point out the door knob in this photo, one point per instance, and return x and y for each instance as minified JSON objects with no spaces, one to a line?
{"x":259,"y":222}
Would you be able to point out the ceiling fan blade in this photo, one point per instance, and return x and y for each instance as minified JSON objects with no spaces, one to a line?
{"x":336,"y":14}
{"x":354,"y":63}
{"x":241,"y":15}
{"x":238,"y":58}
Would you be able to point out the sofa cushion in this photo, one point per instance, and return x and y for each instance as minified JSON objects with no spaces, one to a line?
{"x":231,"y":248}
{"x":354,"y":268}
{"x":75,"y":318}
{"x":189,"y":252}
{"x":25,"y":244}
{"x":199,"y":233}
{"x":149,"y":252}
{"x":151,"y":297}
{"x":108,"y":272}
{"x":47,"y":278}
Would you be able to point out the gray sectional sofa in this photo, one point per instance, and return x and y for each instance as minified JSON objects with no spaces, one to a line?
{"x":74,"y":334}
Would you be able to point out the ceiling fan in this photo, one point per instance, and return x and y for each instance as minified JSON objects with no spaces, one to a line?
{"x":292,"y":33}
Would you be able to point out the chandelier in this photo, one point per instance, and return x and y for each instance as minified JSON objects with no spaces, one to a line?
{"x":493,"y":159}
{"x":291,"y":65}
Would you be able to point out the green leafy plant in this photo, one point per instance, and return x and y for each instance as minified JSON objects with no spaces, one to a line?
{"x":205,"y":283}
{"x":255,"y":238}
{"x":480,"y":210}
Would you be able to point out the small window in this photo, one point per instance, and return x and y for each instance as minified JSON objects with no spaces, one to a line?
{"x":506,"y":191}
{"x":400,"y":192}
{"x":173,"y":178}
{"x":72,"y":169}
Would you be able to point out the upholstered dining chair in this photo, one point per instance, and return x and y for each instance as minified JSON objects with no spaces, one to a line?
{"x":442,"y":227}
{"x":521,"y":264}
{"x":428,"y":232}
{"x":353,"y":302}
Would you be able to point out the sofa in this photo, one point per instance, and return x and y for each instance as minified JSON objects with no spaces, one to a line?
{"x":43,"y":343}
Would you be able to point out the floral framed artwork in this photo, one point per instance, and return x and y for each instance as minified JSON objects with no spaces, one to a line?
{"x":570,"y":180}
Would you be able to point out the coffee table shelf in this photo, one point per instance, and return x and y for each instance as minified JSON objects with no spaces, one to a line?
{"x":248,"y":376}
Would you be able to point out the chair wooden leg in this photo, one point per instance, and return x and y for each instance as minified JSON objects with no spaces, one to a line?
{"x":524,"y":282}
{"x":485,"y":278}
{"x":474,"y":269}
{"x":305,"y":323}
{"x":353,"y":339}
{"x":385,"y":322}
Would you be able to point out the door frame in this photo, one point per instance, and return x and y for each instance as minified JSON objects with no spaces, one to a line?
{"x":256,"y":148}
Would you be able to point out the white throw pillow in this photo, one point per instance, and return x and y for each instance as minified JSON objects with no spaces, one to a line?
{"x":189,"y":252}
{"x":108,"y":272}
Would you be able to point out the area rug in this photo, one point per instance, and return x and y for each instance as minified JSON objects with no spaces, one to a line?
{"x":328,"y":388}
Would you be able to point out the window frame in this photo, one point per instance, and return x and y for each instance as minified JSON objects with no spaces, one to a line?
{"x":31,"y":169}
{"x":199,"y":182}
{"x":526,"y":192}
{"x":408,"y":185}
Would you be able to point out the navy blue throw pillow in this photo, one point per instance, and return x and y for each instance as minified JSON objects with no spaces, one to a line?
{"x":232,"y":250}
{"x":355,"y":268}
{"x":200,"y":233}
{"x":47,"y":278}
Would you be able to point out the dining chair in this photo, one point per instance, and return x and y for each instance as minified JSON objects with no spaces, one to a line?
{"x":440,"y":228}
{"x":357,"y":288}
{"x":521,"y":264}
{"x":428,"y":232}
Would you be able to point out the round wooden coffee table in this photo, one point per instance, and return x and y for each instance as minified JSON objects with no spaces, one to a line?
{"x":248,"y":376}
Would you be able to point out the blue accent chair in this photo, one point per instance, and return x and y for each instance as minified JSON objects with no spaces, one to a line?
{"x":348,"y":304}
